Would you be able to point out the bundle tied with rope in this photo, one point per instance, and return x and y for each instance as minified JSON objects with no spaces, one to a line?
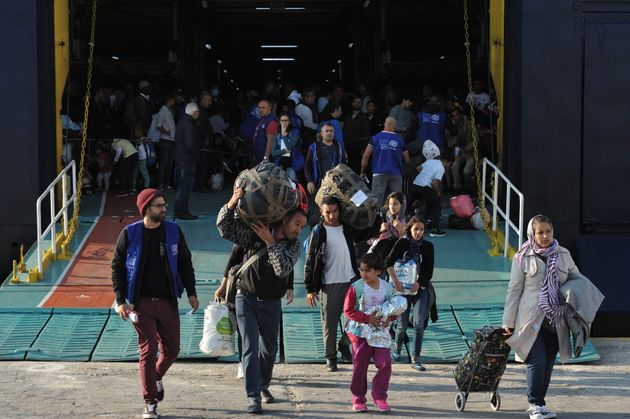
{"x":268,"y":194}
{"x":359,"y":208}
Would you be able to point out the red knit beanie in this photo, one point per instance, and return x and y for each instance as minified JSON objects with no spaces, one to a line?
{"x":145,"y":197}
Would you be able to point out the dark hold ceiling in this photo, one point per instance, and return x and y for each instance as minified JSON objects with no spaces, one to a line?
{"x":141,"y":33}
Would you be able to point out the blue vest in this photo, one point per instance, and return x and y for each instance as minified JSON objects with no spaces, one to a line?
{"x":260,"y":137}
{"x":432,"y":127}
{"x":313,"y":147}
{"x":352,"y":326}
{"x":134,"y":253}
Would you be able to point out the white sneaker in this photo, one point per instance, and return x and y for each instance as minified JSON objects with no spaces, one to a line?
{"x":240,"y":374}
{"x":540,"y":412}
{"x":150,"y":411}
{"x":547,"y":414}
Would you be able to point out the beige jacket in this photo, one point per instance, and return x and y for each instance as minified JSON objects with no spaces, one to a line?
{"x":521,"y":311}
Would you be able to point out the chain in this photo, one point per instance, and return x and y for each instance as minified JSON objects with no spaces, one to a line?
{"x":475,"y":134}
{"x":86,"y":113}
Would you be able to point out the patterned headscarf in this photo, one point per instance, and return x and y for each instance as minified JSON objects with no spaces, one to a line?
{"x":389,"y":218}
{"x":548,"y":297}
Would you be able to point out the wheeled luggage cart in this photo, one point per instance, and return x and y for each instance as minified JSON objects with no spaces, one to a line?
{"x":481,"y":368}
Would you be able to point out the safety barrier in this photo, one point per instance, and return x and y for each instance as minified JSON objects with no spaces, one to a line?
{"x":43,"y":259}
{"x":496,"y":208}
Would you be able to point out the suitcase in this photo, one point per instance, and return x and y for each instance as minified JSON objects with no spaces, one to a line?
{"x":481,"y":368}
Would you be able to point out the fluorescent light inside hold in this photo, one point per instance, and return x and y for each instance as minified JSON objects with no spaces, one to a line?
{"x":278,"y":59}
{"x":115,"y":57}
{"x":295,"y":8}
{"x":219,"y":61}
{"x":208,"y":46}
{"x":263,"y":8}
{"x":351,"y":44}
{"x":278,"y":46}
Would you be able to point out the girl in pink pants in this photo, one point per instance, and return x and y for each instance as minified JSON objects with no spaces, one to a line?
{"x":362,"y":296}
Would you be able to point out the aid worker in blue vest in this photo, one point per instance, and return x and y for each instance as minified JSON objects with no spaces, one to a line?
{"x":150,"y":269}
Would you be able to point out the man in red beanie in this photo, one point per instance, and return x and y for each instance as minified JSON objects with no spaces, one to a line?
{"x":151,"y":267}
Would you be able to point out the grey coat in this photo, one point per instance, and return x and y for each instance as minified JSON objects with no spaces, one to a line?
{"x":584,"y":298}
{"x":521,"y":311}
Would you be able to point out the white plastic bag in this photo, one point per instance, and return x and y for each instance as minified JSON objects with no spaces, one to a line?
{"x":407,"y":273}
{"x":218,"y":331}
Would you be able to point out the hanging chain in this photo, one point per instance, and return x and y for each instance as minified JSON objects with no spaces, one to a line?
{"x":475,"y":134}
{"x":86,"y":113}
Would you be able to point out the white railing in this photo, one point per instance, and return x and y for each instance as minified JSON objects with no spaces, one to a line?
{"x":55,"y":215}
{"x":496,"y":209}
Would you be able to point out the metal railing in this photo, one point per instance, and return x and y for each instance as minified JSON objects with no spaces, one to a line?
{"x":496,"y":208}
{"x":55,"y":215}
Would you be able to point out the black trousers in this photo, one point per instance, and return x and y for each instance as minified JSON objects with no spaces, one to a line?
{"x":433,"y":207}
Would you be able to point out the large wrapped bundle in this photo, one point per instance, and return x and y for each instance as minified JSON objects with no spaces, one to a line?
{"x":359,"y":208}
{"x":268,"y":195}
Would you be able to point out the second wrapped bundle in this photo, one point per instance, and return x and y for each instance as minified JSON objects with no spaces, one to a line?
{"x":268,"y":195}
{"x":359,"y":208}
{"x":379,"y":337}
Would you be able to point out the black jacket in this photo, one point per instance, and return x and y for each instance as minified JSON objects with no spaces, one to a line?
{"x":119,"y":269}
{"x":314,"y":266}
{"x":187,"y":141}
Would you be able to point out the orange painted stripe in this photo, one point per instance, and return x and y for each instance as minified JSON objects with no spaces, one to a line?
{"x":87,"y":283}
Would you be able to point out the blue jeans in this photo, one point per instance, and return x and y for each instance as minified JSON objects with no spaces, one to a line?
{"x":539,"y":364}
{"x":259,"y":324}
{"x":184,"y":186}
{"x":419,"y":303}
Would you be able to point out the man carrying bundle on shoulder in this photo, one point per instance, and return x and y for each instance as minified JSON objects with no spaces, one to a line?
{"x":260,"y":288}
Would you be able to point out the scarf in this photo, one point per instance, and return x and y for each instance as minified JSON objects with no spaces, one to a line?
{"x":415,"y":249}
{"x":391,"y":231}
{"x":548,"y":297}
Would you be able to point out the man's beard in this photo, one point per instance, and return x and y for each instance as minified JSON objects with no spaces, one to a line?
{"x":156,"y":218}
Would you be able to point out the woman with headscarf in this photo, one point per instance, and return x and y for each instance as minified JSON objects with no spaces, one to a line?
{"x":393,"y":226}
{"x":413,"y":245}
{"x":533,"y":314}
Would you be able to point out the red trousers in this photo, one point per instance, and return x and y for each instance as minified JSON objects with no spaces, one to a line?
{"x":362,"y":353}
{"x":158,"y":324}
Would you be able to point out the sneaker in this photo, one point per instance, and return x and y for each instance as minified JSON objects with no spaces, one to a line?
{"x":160,"y":389}
{"x":359,"y":407}
{"x":547,"y":414}
{"x":382,"y":405}
{"x":540,"y":412}
{"x":254,"y":407}
{"x":396,"y":355}
{"x":239,"y":373}
{"x":436,"y":232}
{"x":331,"y":364}
{"x":150,"y":411}
{"x":418,"y":366}
{"x":346,"y":354}
{"x":267,"y":397}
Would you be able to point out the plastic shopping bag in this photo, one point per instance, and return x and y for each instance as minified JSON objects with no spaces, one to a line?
{"x":407,"y":273}
{"x":218,"y":331}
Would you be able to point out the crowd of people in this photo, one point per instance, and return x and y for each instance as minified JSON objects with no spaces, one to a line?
{"x":347,"y":271}
{"x":152,"y":266}
{"x":143,"y":136}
